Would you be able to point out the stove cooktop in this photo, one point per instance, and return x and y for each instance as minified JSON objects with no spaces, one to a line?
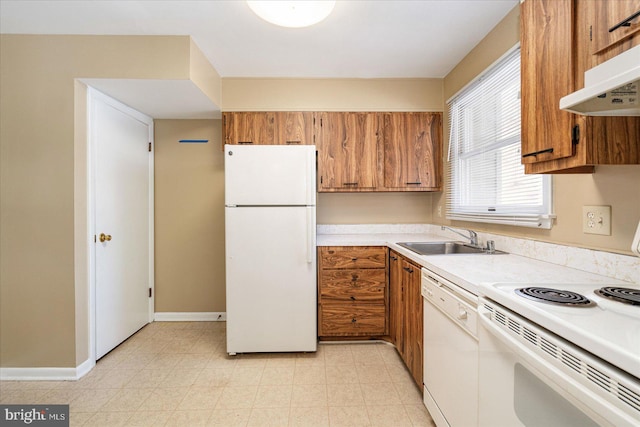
{"x":602,"y":325}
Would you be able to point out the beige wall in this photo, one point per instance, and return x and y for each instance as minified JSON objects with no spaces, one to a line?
{"x":189,"y":217}
{"x":43,"y":195}
{"x":617,"y":186}
{"x":253,"y":94}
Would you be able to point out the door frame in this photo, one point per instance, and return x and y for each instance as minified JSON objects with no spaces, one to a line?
{"x":92,"y":96}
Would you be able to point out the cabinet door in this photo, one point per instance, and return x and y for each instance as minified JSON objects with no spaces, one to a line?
{"x":250,"y":128}
{"x":607,"y":41}
{"x":347,"y":152}
{"x":294,"y":128}
{"x":412,"y":144}
{"x":546,"y":31}
{"x":396,"y":302}
{"x":413,"y":320}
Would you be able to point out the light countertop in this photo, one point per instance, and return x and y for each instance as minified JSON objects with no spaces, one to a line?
{"x":471,"y":271}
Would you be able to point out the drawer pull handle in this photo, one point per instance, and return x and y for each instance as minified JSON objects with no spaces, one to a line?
{"x":294,"y":142}
{"x":407,"y":269}
{"x":350,"y":183}
{"x":353,"y":320}
{"x":413,"y":183}
{"x":354,"y":259}
{"x":245,"y":142}
{"x":352,"y":298}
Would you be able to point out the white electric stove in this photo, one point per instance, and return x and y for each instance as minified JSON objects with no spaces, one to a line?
{"x":606,"y":327}
{"x":570,"y":351}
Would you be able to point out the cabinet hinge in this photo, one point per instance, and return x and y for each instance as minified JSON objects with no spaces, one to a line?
{"x":150,"y":292}
{"x":95,"y":238}
{"x":149,"y":147}
{"x":590,"y":33}
{"x":320,"y":179}
{"x":575,"y":135}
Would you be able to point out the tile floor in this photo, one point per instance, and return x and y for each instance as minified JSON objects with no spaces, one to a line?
{"x":178,"y":374}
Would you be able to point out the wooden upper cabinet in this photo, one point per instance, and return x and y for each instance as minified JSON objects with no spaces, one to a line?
{"x":249,"y":128}
{"x":347,"y":151}
{"x":556,"y":40}
{"x":268,"y":128}
{"x":608,"y":41}
{"x":357,"y":151}
{"x":546,"y":72}
{"x":294,"y":127}
{"x":411,"y":149}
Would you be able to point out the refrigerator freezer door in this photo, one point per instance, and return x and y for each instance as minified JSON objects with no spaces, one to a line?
{"x":271,"y":279}
{"x":261,"y":175}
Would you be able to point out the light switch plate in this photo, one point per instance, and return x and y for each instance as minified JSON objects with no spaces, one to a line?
{"x":596,"y":220}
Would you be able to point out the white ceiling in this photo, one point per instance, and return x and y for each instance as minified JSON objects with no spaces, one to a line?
{"x":360,"y":39}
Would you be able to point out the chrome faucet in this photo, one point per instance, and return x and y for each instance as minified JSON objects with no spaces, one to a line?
{"x":473,"y":236}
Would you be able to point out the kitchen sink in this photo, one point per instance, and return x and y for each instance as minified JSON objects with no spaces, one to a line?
{"x":444,"y":248}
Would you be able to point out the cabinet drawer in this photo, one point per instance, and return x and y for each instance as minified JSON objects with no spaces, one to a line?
{"x":352,"y":319}
{"x":353,"y":285}
{"x":352,"y":257}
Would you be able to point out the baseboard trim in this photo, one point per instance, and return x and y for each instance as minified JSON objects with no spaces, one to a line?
{"x":190,"y":316}
{"x":46,"y":374}
{"x":84,"y":368}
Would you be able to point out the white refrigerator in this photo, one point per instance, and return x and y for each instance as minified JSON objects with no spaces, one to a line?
{"x":270,"y":226}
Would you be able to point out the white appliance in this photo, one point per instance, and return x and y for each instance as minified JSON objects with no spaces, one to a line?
{"x":450,"y":352}
{"x":610,"y":89}
{"x":635,"y":245}
{"x":571,"y":358}
{"x":270,"y":226}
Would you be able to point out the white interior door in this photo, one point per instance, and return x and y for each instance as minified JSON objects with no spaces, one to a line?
{"x":120,"y":140}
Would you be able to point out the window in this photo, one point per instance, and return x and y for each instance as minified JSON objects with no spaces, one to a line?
{"x":487,"y":181}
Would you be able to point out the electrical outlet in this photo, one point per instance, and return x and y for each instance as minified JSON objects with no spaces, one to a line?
{"x":596,"y":220}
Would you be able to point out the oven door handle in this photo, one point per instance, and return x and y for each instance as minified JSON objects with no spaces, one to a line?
{"x":556,"y":378}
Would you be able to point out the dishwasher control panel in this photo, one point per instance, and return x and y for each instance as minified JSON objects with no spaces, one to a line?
{"x":458,"y":304}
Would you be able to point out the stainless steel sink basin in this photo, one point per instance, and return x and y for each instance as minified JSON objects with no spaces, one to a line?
{"x":444,"y":248}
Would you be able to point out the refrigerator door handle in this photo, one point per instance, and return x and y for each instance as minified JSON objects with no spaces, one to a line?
{"x":311,"y":234}
{"x":311,"y":185}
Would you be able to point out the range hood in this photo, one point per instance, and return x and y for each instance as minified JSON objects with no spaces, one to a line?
{"x":610,"y":89}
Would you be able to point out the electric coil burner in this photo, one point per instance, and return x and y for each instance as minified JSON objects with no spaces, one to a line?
{"x":623,"y":295}
{"x":555,"y":296}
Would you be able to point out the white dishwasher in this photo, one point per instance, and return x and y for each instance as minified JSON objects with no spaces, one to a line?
{"x":450,"y":352}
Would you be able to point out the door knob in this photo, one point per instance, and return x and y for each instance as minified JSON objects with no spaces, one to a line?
{"x":105,"y":237}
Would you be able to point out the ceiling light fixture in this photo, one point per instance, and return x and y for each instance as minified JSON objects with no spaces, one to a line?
{"x":292,"y":14}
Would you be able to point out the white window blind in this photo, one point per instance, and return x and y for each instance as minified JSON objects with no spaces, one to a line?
{"x":487,"y":181}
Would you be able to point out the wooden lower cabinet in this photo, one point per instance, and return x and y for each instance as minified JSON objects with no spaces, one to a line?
{"x":365,"y":293}
{"x":406,"y":325}
{"x":396,"y":303}
{"x":412,"y":320}
{"x":352,"y":291}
